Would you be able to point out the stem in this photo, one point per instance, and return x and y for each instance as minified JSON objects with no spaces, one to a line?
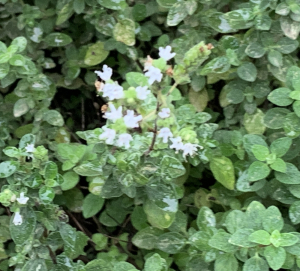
{"x":172,"y":88}
{"x":155,"y":131}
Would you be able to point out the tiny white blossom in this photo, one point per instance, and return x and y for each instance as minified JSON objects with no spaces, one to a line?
{"x":106,"y":74}
{"x":190,"y":149}
{"x":124,"y":140}
{"x":148,"y":63}
{"x":142,"y":92}
{"x":165,"y":133}
{"x":22,"y":199}
{"x":130,"y":120}
{"x":177,"y":143}
{"x":114,"y":113}
{"x":108,"y":134}
{"x":164,"y":113}
{"x":17,"y":219}
{"x":154,"y":74}
{"x":113,"y":91}
{"x":165,"y":53}
{"x":30,"y":148}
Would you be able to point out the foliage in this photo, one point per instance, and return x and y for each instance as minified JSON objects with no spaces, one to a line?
{"x":154,"y":135}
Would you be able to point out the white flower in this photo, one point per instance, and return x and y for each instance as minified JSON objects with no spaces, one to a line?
{"x":154,"y":74}
{"x":164,"y":113}
{"x":114,"y":113}
{"x":177,"y":143}
{"x":190,"y":149}
{"x":148,"y":63}
{"x":108,"y":134}
{"x":124,"y":140}
{"x":165,"y":133}
{"x":106,"y":74}
{"x":30,"y":148}
{"x":22,"y":199}
{"x":17,"y":219}
{"x":130,"y":120}
{"x":113,"y":91}
{"x":165,"y":53}
{"x":142,"y":92}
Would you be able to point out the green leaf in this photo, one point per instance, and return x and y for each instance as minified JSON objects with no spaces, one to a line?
{"x":46,"y":194}
{"x":247,"y":71}
{"x":20,"y":42}
{"x":199,"y":99}
{"x":275,"y":256}
{"x":92,"y":204}
{"x":255,"y":50}
{"x":7,"y":168}
{"x":20,"y":107}
{"x":217,"y":65}
{"x":280,"y":146}
{"x":4,"y":70}
{"x":272,"y":220}
{"x":64,"y":13}
{"x":124,"y":266}
{"x":200,"y":240}
{"x":296,"y":108}
{"x":70,"y":180}
{"x":257,"y":171}
{"x":260,"y":152}
{"x":171,"y":242}
{"x":289,"y":27}
{"x":50,"y":171}
{"x":113,"y":4}
{"x":161,"y":213}
{"x":155,"y":263}
{"x":287,"y":45}
{"x":279,"y":165}
{"x":79,"y":6}
{"x":74,"y":241}
{"x":220,"y":241}
{"x":35,"y":264}
{"x":240,"y":238}
{"x":275,"y":58}
{"x":275,"y":238}
{"x":146,"y":238}
{"x":263,"y":22}
{"x":58,"y":39}
{"x":124,"y":31}
{"x":172,"y":167}
{"x":280,"y":96}
{"x":26,"y":139}
{"x":21,"y":233}
{"x":275,"y":118}
{"x":235,"y":220}
{"x":136,"y":79}
{"x":261,"y":237}
{"x":256,"y":264}
{"x":177,"y":13}
{"x":294,"y":212}
{"x":205,"y":219}
{"x":228,"y":260}
{"x":223,"y":171}
{"x":291,"y":176}
{"x":254,"y":215}
{"x":288,"y":239}
{"x":100,"y":240}
{"x":17,"y":60}
{"x":95,"y":54}
{"x":54,"y":118}
{"x":254,"y":123}
{"x":89,"y":169}
{"x":73,"y":152}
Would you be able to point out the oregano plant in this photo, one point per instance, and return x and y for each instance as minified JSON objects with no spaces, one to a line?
{"x":150,"y":135}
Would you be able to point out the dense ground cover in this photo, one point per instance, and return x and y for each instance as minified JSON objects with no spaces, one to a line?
{"x":151,"y":135}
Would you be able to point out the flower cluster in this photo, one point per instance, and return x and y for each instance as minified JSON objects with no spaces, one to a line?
{"x":18,"y":220}
{"x":115,"y":132}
